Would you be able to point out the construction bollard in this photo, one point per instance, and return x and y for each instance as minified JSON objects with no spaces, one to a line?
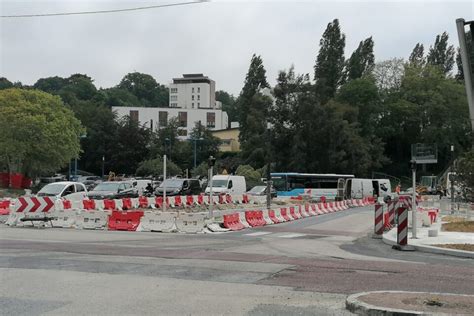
{"x":378,"y":224}
{"x":402,"y":230}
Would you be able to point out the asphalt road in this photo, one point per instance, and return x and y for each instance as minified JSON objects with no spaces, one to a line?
{"x":305,"y":267}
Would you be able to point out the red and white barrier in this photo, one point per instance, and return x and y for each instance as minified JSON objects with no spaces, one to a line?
{"x":378,"y":224}
{"x":402,"y":228}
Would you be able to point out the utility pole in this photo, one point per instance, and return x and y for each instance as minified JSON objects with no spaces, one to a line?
{"x":164,"y":183}
{"x":103,"y":165}
{"x":211,"y":162}
{"x":467,"y":66}
{"x":413,"y":199}
{"x":451,"y":176}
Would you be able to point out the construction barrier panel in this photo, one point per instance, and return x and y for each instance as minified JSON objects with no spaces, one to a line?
{"x":285,"y":214}
{"x":64,"y":218}
{"x":243,"y":220}
{"x":92,"y":219}
{"x":254,"y":218}
{"x":232,"y":222}
{"x":266,"y":217}
{"x":124,"y":220}
{"x":158,"y":221}
{"x":293,"y":213}
{"x":273,"y":217}
{"x":191,"y":222}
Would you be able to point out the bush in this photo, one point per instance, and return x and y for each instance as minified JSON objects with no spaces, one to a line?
{"x":154,"y":167}
{"x":252,"y":176}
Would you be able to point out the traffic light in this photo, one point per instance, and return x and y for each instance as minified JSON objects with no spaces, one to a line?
{"x":211,"y":161}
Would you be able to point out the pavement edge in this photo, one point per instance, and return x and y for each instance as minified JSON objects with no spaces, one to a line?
{"x":431,"y":249}
{"x":354,"y":305}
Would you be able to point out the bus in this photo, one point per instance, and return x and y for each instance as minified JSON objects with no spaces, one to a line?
{"x":312,"y":184}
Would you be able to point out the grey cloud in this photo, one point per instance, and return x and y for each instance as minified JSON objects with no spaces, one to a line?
{"x":216,"y":38}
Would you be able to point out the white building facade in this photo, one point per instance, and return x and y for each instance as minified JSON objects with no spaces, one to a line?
{"x":155,"y":118}
{"x":193,"y":91}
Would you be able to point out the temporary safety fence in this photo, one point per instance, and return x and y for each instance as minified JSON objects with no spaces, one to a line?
{"x":132,"y":215}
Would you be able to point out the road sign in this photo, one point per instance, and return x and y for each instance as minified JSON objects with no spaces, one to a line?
{"x":424,"y":153}
{"x":34,"y":204}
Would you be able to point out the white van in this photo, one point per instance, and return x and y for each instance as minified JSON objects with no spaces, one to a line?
{"x":227,"y":184}
{"x":382,"y":188}
{"x":358,"y":188}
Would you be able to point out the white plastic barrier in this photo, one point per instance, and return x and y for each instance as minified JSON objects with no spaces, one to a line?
{"x":216,"y":228}
{"x":267,"y":218}
{"x":64,"y":218}
{"x":191,"y":222}
{"x":92,"y":219}
{"x":14,"y":218}
{"x":158,"y":221}
{"x":243,"y":220}
{"x":278,"y":215}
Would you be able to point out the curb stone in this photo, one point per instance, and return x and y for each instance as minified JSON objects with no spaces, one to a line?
{"x":433,"y":249}
{"x":354,"y":305}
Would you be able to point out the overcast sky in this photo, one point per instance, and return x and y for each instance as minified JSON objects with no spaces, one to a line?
{"x":216,"y":38}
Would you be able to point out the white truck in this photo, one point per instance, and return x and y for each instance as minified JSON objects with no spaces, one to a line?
{"x":227,"y":184}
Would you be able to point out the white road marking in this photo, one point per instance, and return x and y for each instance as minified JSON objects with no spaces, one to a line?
{"x":258,"y":234}
{"x":291,"y":235}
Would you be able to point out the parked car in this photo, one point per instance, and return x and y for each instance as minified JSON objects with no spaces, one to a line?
{"x":179,"y":187}
{"x":64,"y":189}
{"x":113,"y":190}
{"x":90,"y":181}
{"x":141,"y":185}
{"x":261,"y":190}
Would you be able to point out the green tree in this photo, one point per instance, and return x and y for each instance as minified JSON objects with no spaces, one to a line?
{"x":417,"y":57}
{"x":253,"y":107}
{"x":120,"y":97}
{"x":328,"y":70}
{"x":154,"y":167}
{"x":228,"y":105}
{"x":361,"y":61}
{"x":206,"y":143}
{"x":130,"y":147}
{"x":146,"y":89}
{"x":39,"y":134}
{"x":5,"y":83}
{"x":441,"y":54}
{"x":252,"y":176}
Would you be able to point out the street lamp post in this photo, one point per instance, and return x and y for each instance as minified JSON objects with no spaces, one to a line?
{"x":167,"y":140}
{"x":103,"y":165}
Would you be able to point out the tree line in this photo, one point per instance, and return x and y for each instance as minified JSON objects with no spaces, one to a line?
{"x":348,"y":115}
{"x":354,"y":115}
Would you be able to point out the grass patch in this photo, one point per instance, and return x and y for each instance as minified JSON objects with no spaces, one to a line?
{"x":462,"y":227}
{"x":452,"y":219}
{"x":465,"y":247}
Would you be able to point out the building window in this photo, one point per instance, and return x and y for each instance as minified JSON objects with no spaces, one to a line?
{"x":151,"y":125}
{"x":173,"y":105}
{"x":211,"y":120}
{"x":174,"y":90}
{"x":199,"y":104}
{"x":199,"y":97}
{"x":192,"y":104}
{"x":163,"y":118}
{"x":182,"y":132}
{"x":199,"y":89}
{"x":183,"y":119}
{"x":134,"y":115}
{"x":192,"y":90}
{"x":192,"y":97}
{"x":174,"y":98}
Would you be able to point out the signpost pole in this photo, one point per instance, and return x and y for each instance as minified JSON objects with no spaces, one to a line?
{"x":413,"y":200}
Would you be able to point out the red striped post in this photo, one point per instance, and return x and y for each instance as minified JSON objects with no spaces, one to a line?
{"x":391,"y":211}
{"x":402,"y":230}
{"x":378,"y":225}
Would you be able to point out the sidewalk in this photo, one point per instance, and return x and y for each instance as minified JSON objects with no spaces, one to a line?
{"x":426,"y":244}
